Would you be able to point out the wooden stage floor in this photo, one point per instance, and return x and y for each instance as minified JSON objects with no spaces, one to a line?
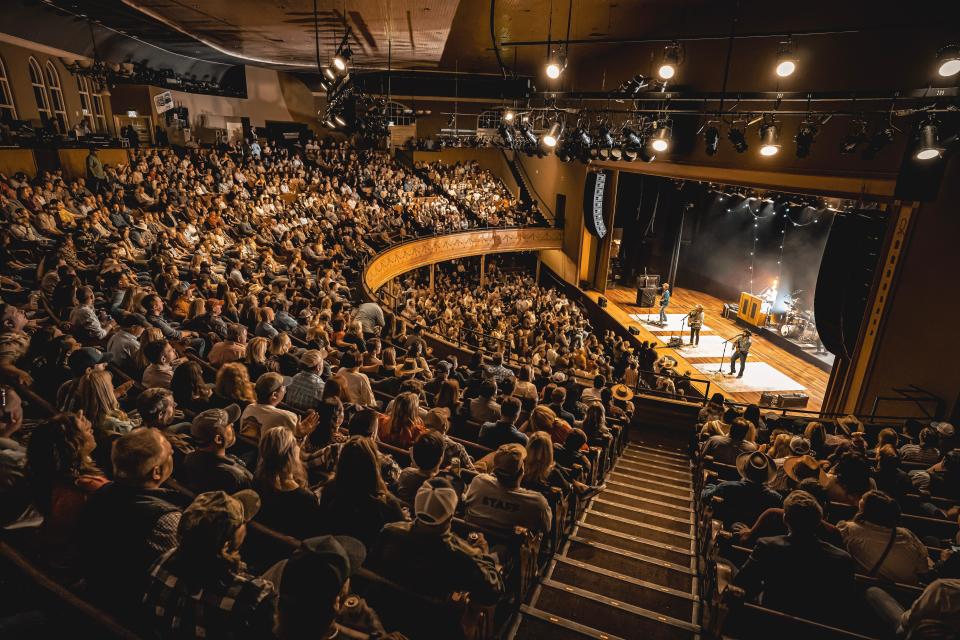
{"x":772,"y":366}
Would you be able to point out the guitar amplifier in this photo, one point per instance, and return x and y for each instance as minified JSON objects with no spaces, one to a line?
{"x":646,"y":296}
{"x":648,"y":281}
{"x":769,"y":399}
{"x":675,"y":342}
{"x":793,"y":400}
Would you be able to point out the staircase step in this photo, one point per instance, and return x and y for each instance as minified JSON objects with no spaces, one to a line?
{"x":611,"y":615}
{"x":637,"y":544}
{"x":631,"y":466}
{"x":614,"y":558}
{"x":683,"y":465}
{"x":648,"y":504}
{"x":676,"y":604}
{"x":540,"y":625}
{"x":633,"y":528}
{"x":655,"y":481}
{"x":644,"y":516}
{"x":670,"y":453}
{"x":648,"y":492}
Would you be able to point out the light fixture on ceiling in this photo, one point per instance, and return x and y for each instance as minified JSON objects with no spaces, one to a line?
{"x":342,"y":60}
{"x":555,"y":66}
{"x":552,"y":135}
{"x":508,"y":116}
{"x":506,"y":134}
{"x":806,"y":135}
{"x":948,"y":60}
{"x":855,"y":137}
{"x":527,"y":133}
{"x":737,"y":135}
{"x":711,"y":139}
{"x":786,"y":59}
{"x":340,"y":120}
{"x":769,"y":139}
{"x":661,"y":138}
{"x":928,"y":147}
{"x":671,"y":58}
{"x":881,"y":137}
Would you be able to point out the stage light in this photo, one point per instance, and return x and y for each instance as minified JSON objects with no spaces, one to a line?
{"x":339,"y":120}
{"x":806,"y":134}
{"x":856,"y":136}
{"x":880,"y":139}
{"x":786,"y":60}
{"x":661,"y":139}
{"x":582,"y":135}
{"x":327,"y":71}
{"x":330,"y":124}
{"x":949,"y":60}
{"x":528,"y":135}
{"x":551,"y":135}
{"x":342,"y":59}
{"x":630,"y":138}
{"x":555,"y":67}
{"x":738,"y":137}
{"x":605,"y":140}
{"x":634,"y":85}
{"x":711,"y":138}
{"x":671,"y":58}
{"x":506,"y":134}
{"x":769,"y":140}
{"x":508,"y":116}
{"x":929,"y":145}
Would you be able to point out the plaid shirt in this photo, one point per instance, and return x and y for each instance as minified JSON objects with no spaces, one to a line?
{"x":305,"y":391}
{"x":231,"y":605}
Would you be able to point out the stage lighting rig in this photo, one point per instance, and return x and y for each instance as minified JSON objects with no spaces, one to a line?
{"x":806,"y":135}
{"x":661,"y":139}
{"x":551,"y":136}
{"x":671,"y":59}
{"x":855,"y":137}
{"x":928,"y":146}
{"x":737,"y":135}
{"x":948,"y":61}
{"x":711,"y":139}
{"x":883,"y":136}
{"x":506,"y":133}
{"x":508,"y":116}
{"x":555,"y":66}
{"x":786,"y":59}
{"x":633,"y":86}
{"x":769,"y":137}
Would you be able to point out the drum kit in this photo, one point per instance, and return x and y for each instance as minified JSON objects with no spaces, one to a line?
{"x":798,"y":323}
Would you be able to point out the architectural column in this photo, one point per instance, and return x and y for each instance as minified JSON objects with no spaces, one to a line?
{"x":483,"y":269}
{"x":433,"y":268}
{"x":537,"y":275}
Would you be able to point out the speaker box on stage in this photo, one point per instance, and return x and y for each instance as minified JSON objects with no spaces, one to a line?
{"x":633,"y":331}
{"x":730,"y":310}
{"x":768,"y":399}
{"x":602,"y":302}
{"x":793,"y":400}
{"x":648,"y":281}
{"x":646,"y":296}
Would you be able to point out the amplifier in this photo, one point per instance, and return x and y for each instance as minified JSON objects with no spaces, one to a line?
{"x":648,"y":281}
{"x":633,"y":331}
{"x":730,"y":310}
{"x":602,"y":302}
{"x":793,"y":400}
{"x":675,"y":342}
{"x":769,"y":399}
{"x":646,"y":296}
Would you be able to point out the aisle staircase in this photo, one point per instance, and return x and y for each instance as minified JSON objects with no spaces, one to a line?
{"x":629,"y":569}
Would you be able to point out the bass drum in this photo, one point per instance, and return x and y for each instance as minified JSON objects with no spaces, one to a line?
{"x":790,"y":331}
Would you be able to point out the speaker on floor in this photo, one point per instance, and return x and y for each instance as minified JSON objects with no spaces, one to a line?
{"x":633,"y":331}
{"x":646,"y":296}
{"x":602,"y":302}
{"x":846,"y":275}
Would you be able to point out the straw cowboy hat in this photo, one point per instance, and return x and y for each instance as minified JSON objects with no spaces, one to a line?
{"x":408,"y":367}
{"x":800,"y":468}
{"x":756,"y":467}
{"x":622,"y":392}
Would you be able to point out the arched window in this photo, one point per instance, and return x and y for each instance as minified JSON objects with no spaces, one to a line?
{"x":400,"y":115}
{"x":56,"y":97}
{"x":7,"y":108}
{"x":489,"y":119}
{"x":91,"y":102}
{"x":39,"y":89}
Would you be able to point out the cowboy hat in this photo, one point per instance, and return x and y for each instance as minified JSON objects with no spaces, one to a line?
{"x":850,"y":423}
{"x":800,"y":468}
{"x":622,"y":392}
{"x":408,"y":367}
{"x":756,"y":467}
{"x":799,"y":446}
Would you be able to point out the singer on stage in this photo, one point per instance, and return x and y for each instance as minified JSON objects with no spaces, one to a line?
{"x":695,"y":320}
{"x":741,"y":347}
{"x":664,"y":302}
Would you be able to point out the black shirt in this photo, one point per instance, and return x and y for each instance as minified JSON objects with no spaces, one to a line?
{"x":295,"y":513}
{"x":207,"y":471}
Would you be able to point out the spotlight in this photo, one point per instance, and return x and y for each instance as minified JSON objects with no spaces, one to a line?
{"x":551,"y":135}
{"x":634,"y":85}
{"x":342,"y":59}
{"x":769,"y":140}
{"x":630,"y":138}
{"x":555,"y":67}
{"x":880,"y":139}
{"x":327,"y":71}
{"x":949,"y":60}
{"x":856,"y":136}
{"x":330,"y":123}
{"x":661,"y":139}
{"x":339,"y":120}
{"x":929,"y":145}
{"x":582,"y":135}
{"x":606,"y":138}
{"x":508,"y":116}
{"x":527,"y":133}
{"x":806,"y":134}
{"x":506,"y":134}
{"x":671,"y":58}
{"x":786,"y":60}
{"x":737,"y":136}
{"x":711,"y":137}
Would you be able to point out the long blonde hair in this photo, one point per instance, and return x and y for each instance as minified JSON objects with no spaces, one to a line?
{"x":539,"y":461}
{"x":542,"y":418}
{"x":198,"y":307}
{"x":257,"y":350}
{"x":150,"y":334}
{"x":95,"y":397}
{"x":405,"y":414}
{"x":280,"y":344}
{"x":233,"y":383}
{"x":279,"y":459}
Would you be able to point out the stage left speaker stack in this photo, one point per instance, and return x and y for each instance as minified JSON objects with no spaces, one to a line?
{"x":646,"y":296}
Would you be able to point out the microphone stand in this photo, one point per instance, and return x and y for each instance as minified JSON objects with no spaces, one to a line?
{"x":723,"y":358}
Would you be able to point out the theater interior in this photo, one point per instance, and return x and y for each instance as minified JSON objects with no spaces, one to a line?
{"x":480,"y":320}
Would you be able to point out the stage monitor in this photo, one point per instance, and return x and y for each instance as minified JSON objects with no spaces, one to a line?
{"x":594,"y":199}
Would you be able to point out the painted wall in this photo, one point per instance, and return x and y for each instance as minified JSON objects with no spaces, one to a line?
{"x":15,"y":61}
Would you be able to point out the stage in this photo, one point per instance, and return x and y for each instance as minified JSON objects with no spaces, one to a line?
{"x":769,"y":368}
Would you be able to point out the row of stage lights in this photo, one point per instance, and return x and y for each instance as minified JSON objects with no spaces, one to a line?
{"x":645,"y":139}
{"x":948,"y":61}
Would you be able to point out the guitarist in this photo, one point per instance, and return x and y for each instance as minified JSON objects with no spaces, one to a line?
{"x":664,"y":302}
{"x":741,"y":347}
{"x":695,"y":320}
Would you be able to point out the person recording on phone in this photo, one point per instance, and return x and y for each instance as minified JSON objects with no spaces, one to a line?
{"x":741,"y":348}
{"x":695,"y":321}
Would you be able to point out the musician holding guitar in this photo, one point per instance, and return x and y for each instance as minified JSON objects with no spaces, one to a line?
{"x":741,"y":347}
{"x":664,"y":302}
{"x":695,"y":321}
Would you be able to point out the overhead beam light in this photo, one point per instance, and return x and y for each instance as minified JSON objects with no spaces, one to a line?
{"x":661,"y":139}
{"x":769,"y":140}
{"x":806,"y":135}
{"x":508,"y":116}
{"x":552,"y":135}
{"x":671,"y":58}
{"x":929,"y":146}
{"x":555,"y":67}
{"x":948,"y":61}
{"x":855,"y":137}
{"x":711,"y":139}
{"x":786,"y":59}
{"x":342,"y":59}
{"x":737,"y":136}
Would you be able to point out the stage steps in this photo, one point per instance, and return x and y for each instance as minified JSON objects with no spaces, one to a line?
{"x":629,"y":568}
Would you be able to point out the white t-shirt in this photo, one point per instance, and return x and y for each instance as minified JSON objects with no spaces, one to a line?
{"x":257,"y":419}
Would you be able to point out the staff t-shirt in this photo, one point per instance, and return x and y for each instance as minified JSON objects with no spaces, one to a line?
{"x":490,"y":505}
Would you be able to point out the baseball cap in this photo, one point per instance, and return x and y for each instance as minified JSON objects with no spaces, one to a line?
{"x":315,"y":573}
{"x":508,"y":459}
{"x":213,"y":516}
{"x":311,"y":357}
{"x":269,"y":383}
{"x":436,"y":502}
{"x":945,"y":429}
{"x":446,"y":366}
{"x":86,"y":357}
{"x":212,"y":422}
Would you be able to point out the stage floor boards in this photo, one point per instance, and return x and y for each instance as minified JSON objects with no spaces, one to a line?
{"x":780,"y":369}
